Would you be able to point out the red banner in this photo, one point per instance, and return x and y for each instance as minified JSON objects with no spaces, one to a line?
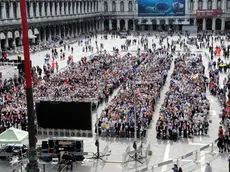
{"x":208,"y":13}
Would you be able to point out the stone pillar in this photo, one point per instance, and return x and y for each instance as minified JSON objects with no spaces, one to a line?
{"x":83,"y":9}
{"x":214,"y":24}
{"x":50,"y":35}
{"x":195,"y":20}
{"x":37,"y":10}
{"x":134,"y":25}
{"x":11,"y":10}
{"x":102,"y":26}
{"x":187,"y":5}
{"x":48,"y":8}
{"x":205,"y":4}
{"x":53,"y":9}
{"x":204,"y":24}
{"x":110,"y":25}
{"x":4,"y":10}
{"x":54,"y":31}
{"x":118,"y":24}
{"x":74,"y":8}
{"x":31,"y":10}
{"x":58,"y":9}
{"x":7,"y":41}
{"x":18,"y":10}
{"x":79,"y":8}
{"x":62,"y":8}
{"x":126,"y":25}
{"x":222,"y":24}
{"x":214,"y":4}
{"x":142,"y":27}
{"x":59,"y":27}
{"x":195,"y":5}
{"x":223,"y":5}
{"x":44,"y":33}
{"x":43,"y":10}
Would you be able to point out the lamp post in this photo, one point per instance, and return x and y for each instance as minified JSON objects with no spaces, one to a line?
{"x":32,"y":166}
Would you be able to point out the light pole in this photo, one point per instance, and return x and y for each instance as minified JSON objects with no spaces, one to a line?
{"x":32,"y":166}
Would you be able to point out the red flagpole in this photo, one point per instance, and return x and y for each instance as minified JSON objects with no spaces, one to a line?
{"x":32,"y":166}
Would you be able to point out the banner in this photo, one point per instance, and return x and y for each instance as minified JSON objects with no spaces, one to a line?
{"x":208,"y":13}
{"x":161,"y":8}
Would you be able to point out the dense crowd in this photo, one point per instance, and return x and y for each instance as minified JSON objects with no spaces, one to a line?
{"x":137,"y":96}
{"x":88,"y":80}
{"x":185,"y":110}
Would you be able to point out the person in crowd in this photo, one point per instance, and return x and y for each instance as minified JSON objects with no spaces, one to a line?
{"x":208,"y":167}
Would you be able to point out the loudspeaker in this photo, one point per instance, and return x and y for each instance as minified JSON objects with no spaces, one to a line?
{"x":44,"y":145}
{"x":51,"y":144}
{"x":21,"y":67}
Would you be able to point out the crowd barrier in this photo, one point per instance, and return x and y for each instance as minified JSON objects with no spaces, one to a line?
{"x":194,"y":157}
{"x":8,"y":64}
{"x":144,"y":153}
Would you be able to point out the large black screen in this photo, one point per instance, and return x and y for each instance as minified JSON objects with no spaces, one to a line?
{"x":64,"y":115}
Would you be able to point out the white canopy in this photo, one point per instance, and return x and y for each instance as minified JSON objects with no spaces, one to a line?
{"x":13,"y":135}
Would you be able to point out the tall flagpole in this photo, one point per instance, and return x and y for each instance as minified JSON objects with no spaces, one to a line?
{"x":32,"y":166}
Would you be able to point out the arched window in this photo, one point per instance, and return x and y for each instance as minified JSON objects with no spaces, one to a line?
{"x":60,"y":7}
{"x":200,"y":4}
{"x":40,"y":9}
{"x":122,"y":6}
{"x":56,"y":8}
{"x":0,"y":12}
{"x":228,"y":4}
{"x":65,"y":4}
{"x":7,"y":10}
{"x":46,"y":3}
{"x":51,"y":8}
{"x":105,"y":6}
{"x":34,"y":9}
{"x":69,"y":8}
{"x":130,"y":6}
{"x":209,"y":4}
{"x":15,"y":9}
{"x":219,"y":4}
{"x":191,"y":5}
{"x":28,"y":8}
{"x":73,"y":5}
{"x":113,"y":6}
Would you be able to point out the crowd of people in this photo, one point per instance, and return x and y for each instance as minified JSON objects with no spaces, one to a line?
{"x":88,"y":80}
{"x":185,"y":110}
{"x":136,"y":98}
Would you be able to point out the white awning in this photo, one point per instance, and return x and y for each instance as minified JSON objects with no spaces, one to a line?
{"x":32,"y":36}
{"x":9,"y":35}
{"x":16,"y":34}
{"x":36,"y":32}
{"x":30,"y":32}
{"x":2,"y":35}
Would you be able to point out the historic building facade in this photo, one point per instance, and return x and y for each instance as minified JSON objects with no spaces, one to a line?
{"x":69,"y":18}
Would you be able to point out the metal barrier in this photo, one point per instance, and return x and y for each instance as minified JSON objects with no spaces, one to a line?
{"x":192,"y":155}
{"x":20,"y":167}
{"x":125,"y":156}
{"x":8,"y":64}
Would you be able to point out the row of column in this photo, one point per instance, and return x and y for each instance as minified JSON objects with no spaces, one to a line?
{"x":74,"y":8}
{"x":205,"y":4}
{"x":64,"y":31}
{"x":118,"y":24}
{"x":7,"y":11}
{"x":213,"y":24}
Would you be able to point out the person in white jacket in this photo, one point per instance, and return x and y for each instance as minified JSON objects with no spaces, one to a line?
{"x":208,"y":168}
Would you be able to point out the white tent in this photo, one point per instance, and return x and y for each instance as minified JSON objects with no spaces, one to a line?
{"x":13,"y":135}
